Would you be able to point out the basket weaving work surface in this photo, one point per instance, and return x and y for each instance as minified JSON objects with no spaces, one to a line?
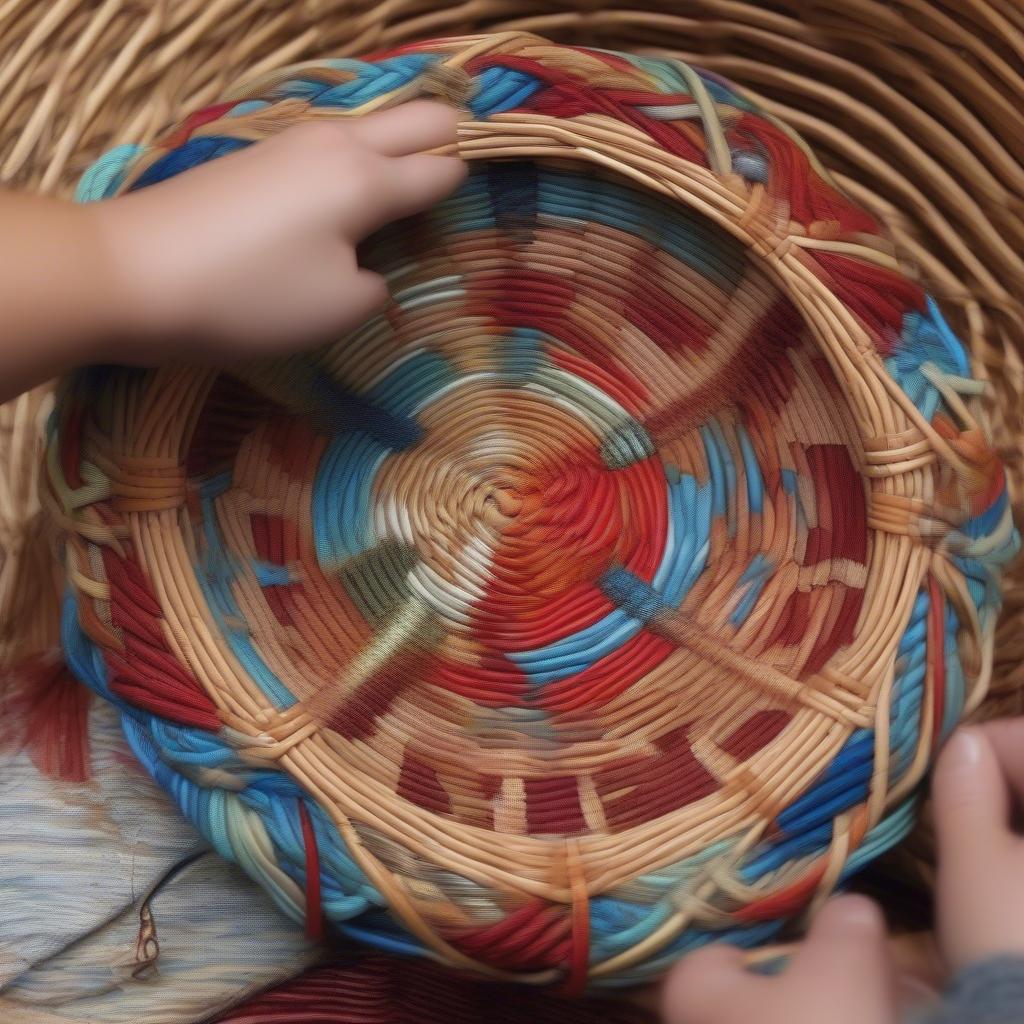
{"x":607,"y":594}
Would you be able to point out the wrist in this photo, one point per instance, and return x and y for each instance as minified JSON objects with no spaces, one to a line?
{"x":141,"y":295}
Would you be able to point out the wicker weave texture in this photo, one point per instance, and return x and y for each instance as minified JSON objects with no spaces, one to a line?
{"x":607,"y":594}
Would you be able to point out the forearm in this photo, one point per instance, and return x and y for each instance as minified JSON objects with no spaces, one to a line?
{"x":231,"y":260}
{"x":57,"y":291}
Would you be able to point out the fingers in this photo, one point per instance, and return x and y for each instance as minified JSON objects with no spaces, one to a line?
{"x":920,"y":973}
{"x":703,"y":983}
{"x":1007,"y":739}
{"x":846,"y":947}
{"x":410,"y":128}
{"x":347,"y":299}
{"x":420,"y":181}
{"x":404,"y":186}
{"x":917,"y":955}
{"x":366,"y":171}
{"x":971,"y":805}
{"x":842,"y":971}
{"x":367,"y":293}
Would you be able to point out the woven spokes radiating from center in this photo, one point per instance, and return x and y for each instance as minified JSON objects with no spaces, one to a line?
{"x":592,"y":434}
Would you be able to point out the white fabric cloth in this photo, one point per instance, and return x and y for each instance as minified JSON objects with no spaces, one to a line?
{"x":112,"y":907}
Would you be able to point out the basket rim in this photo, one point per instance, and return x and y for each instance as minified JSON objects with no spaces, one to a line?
{"x":894,"y":439}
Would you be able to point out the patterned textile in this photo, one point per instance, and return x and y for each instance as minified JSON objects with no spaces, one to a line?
{"x":114,"y":908}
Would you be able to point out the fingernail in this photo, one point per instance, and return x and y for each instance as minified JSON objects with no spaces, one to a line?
{"x":965,"y":747}
{"x":854,"y":910}
{"x":860,"y":910}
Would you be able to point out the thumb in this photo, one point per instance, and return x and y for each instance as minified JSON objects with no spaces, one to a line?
{"x":710,"y":985}
{"x":846,"y":949}
{"x":971,"y":805}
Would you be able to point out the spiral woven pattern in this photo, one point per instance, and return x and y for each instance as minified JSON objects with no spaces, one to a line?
{"x":607,"y":594}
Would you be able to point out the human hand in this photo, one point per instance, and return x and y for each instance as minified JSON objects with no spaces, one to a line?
{"x":977,"y":788}
{"x":255,"y":253}
{"x":841,"y":974}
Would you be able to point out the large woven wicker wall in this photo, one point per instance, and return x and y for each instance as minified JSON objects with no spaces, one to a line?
{"x":916,"y":105}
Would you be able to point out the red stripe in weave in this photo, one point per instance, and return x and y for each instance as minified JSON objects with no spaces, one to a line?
{"x":553,"y":806}
{"x":637,"y":97}
{"x":71,"y":447}
{"x":274,"y":537}
{"x":755,"y":733}
{"x":995,"y":485}
{"x":579,"y":958}
{"x":495,"y":681}
{"x":754,"y":369}
{"x":356,"y":717}
{"x":184,"y":131}
{"x":610,"y":376}
{"x":46,"y":712}
{"x":146,"y":673}
{"x":793,"y":179}
{"x":418,"y":783}
{"x":314,"y":911}
{"x":373,"y":988}
{"x":650,"y":787}
{"x":878,"y":296}
{"x":839,"y":635}
{"x":836,"y":481}
{"x":786,"y":902}
{"x":611,"y":676}
{"x":535,"y":936}
{"x":567,"y":96}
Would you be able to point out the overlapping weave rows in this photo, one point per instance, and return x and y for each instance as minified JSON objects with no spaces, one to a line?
{"x":607,"y":594}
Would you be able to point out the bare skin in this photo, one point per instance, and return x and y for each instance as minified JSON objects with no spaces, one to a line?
{"x":841,"y":973}
{"x":251,"y":254}
{"x":845,"y":972}
{"x":979,"y":788}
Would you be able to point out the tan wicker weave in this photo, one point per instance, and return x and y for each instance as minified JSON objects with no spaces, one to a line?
{"x":401,"y":850}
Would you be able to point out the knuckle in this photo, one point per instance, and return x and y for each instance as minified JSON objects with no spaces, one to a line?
{"x":320,"y":136}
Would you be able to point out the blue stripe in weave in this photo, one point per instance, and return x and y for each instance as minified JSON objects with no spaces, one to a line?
{"x":499,"y":89}
{"x":512,"y":187}
{"x":196,"y":151}
{"x":684,"y":558}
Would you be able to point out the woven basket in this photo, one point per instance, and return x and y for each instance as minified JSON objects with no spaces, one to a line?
{"x":905,"y":102}
{"x":606,"y":595}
